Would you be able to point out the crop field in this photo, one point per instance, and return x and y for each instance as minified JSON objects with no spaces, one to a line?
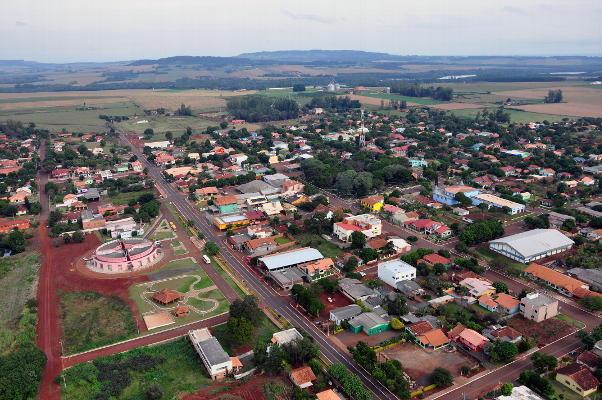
{"x":578,"y":101}
{"x":517,"y":116}
{"x":57,"y":118}
{"x":375,"y":99}
{"x":162,"y":124}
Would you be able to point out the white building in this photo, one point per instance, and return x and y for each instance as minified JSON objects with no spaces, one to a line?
{"x":216,"y":360}
{"x":368,"y":224}
{"x":498,"y":202}
{"x":395,"y":271}
{"x":532,"y":245}
{"x":162,"y":144}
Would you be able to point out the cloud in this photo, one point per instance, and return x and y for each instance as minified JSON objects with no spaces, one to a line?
{"x":309,"y":17}
{"x":20,"y":23}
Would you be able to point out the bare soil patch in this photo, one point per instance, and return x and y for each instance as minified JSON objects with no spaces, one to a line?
{"x":246,"y":389}
{"x":457,"y":106}
{"x":543,"y":332}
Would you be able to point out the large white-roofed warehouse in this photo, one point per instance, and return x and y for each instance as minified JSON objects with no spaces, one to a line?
{"x":532,"y":245}
{"x":290,"y":258}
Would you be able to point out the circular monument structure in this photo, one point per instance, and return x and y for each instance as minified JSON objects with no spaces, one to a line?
{"x":124,"y":255}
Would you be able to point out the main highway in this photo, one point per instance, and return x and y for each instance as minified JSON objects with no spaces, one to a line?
{"x":266,"y":294}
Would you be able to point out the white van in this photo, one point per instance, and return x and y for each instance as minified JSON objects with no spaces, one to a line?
{"x":207,"y":259}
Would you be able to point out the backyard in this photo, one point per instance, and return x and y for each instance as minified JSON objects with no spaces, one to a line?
{"x":326,"y":248}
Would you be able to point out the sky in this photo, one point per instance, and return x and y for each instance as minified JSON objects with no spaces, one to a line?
{"x":112,"y":30}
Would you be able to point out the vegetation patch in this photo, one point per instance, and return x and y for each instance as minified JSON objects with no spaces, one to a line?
{"x":17,"y":274}
{"x":91,"y":320}
{"x":165,"y":371}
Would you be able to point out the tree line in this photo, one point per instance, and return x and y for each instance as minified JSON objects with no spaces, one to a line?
{"x":414,"y":90}
{"x":257,"y":108}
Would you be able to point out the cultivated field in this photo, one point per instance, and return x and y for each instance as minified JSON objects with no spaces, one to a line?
{"x":17,"y":277}
{"x":578,"y":101}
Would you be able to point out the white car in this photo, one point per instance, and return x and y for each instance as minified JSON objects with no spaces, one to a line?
{"x":362,"y":274}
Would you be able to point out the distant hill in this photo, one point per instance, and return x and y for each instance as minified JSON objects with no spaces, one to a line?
{"x":309,"y":56}
{"x":206,"y":61}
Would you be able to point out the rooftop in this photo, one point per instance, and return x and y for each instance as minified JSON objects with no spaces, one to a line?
{"x":292,"y":257}
{"x":535,"y":242}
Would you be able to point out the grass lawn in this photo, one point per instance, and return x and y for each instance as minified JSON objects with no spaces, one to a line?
{"x":264,"y":329}
{"x":205,"y":282}
{"x":91,"y":320}
{"x":281,"y":240}
{"x":17,"y":274}
{"x":162,"y":235}
{"x":181,"y":263}
{"x":181,"y":284}
{"x":125,"y":198}
{"x":326,"y":248}
{"x":227,"y":277}
{"x":178,"y":248}
{"x":573,"y":322}
{"x":177,"y":369}
{"x":161,"y":124}
{"x":489,"y":256}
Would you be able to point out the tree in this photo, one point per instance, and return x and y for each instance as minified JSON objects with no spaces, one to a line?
{"x":246,"y":308}
{"x":240,"y":330}
{"x":412,"y":239}
{"x":351,"y":384}
{"x":78,"y":237}
{"x":543,"y":362}
{"x":350,"y":265}
{"x":15,"y":241}
{"x":169,"y":135}
{"x":506,"y":389}
{"x":536,"y":382}
{"x":442,"y":377}
{"x":364,"y":355}
{"x":211,"y":248}
{"x":502,"y":352}
{"x":482,"y":231}
{"x":463,"y":199}
{"x":500,"y":287}
{"x":593,"y":303}
{"x":396,"y":304}
{"x":298,"y":87}
{"x":554,"y":96}
{"x":21,"y":372}
{"x":308,"y":298}
{"x":358,"y":240}
{"x":396,"y":324}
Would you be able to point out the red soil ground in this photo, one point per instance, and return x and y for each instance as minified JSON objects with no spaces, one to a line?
{"x":338,"y":300}
{"x":250,"y":389}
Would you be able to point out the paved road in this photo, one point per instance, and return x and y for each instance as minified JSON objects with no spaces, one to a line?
{"x":264,"y":292}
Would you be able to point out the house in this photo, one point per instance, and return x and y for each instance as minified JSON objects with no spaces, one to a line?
{"x":589,"y":359}
{"x":19,"y":197}
{"x":230,"y":221}
{"x":226,"y":204}
{"x":319,"y":269}
{"x":302,"y":377}
{"x":373,"y":203}
{"x":563,"y":283}
{"x":8,"y":225}
{"x":478,"y":287}
{"x":369,"y":322}
{"x":469,"y":338}
{"x":214,"y":358}
{"x":557,"y":220}
{"x":291,"y":187}
{"x":503,"y":334}
{"x":501,"y":302}
{"x":538,"y":307}
{"x":59,"y":173}
{"x":328,"y":394}
{"x":447,"y":195}
{"x":163,"y":159}
{"x":433,"y":339}
{"x":394,"y":271}
{"x":206,"y":193}
{"x":494,"y":201}
{"x":531,"y":245}
{"x":287,"y":336}
{"x":409,"y":288}
{"x":356,"y":290}
{"x":367,"y":224}
{"x":434,"y":258}
{"x":260,"y":246}
{"x":578,"y":378}
{"x":521,"y":393}
{"x":340,"y":314}
{"x":430,"y":227}
{"x":137,"y":166}
{"x":238,"y":158}
{"x":124,"y":228}
{"x":591,"y":276}
{"x":92,"y":221}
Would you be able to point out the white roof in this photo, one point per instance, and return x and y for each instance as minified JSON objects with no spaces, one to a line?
{"x":490,"y":198}
{"x":293,"y":257}
{"x":521,"y":393}
{"x":535,"y":242}
{"x":286,"y":336}
{"x":397,"y":266}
